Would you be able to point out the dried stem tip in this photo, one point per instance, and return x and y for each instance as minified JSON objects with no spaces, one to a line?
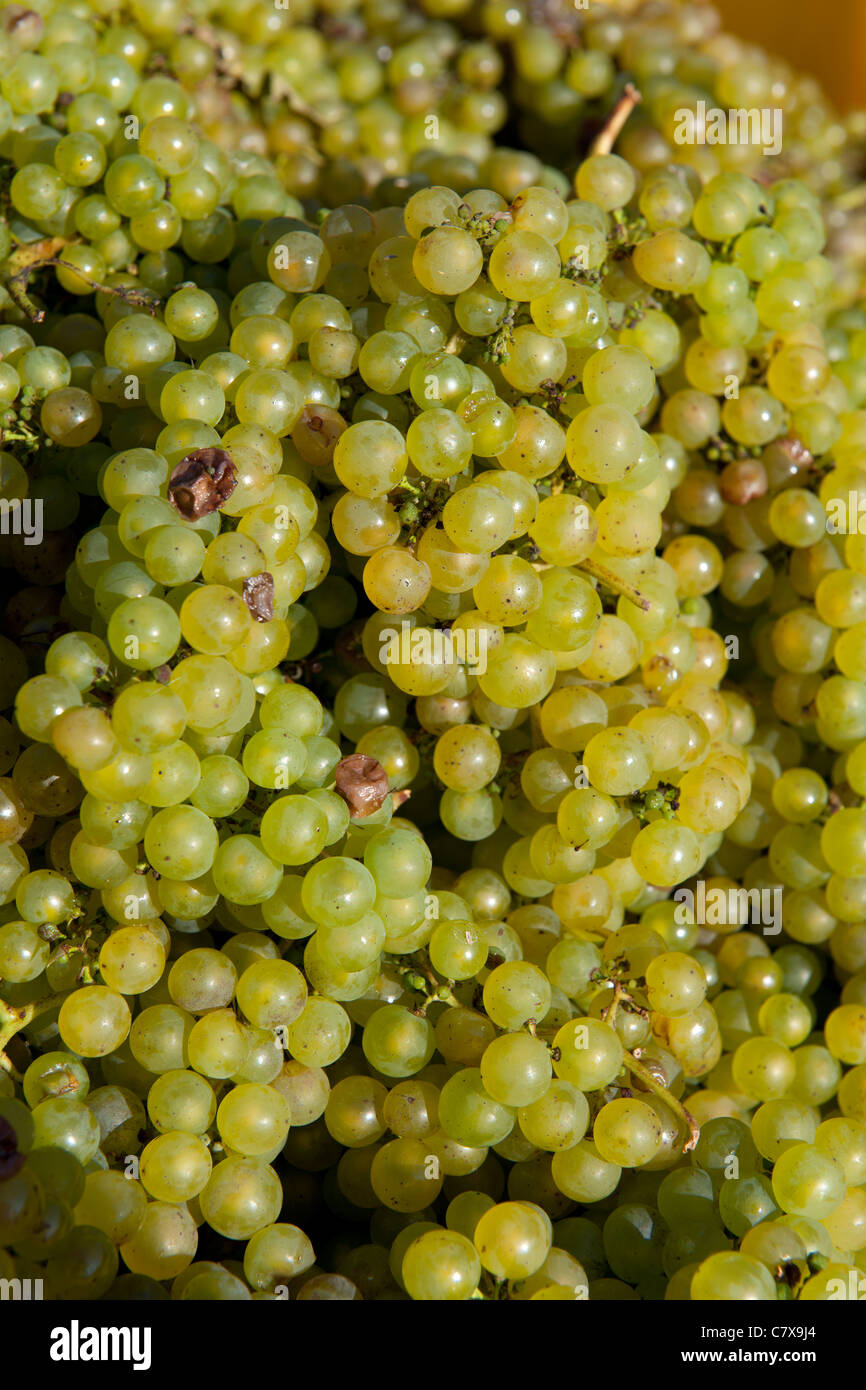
{"x":609,"y":134}
{"x":259,"y":596}
{"x":202,"y":482}
{"x":362,"y":782}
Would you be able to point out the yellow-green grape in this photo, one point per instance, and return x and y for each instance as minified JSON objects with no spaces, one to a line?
{"x":351,"y":947}
{"x":253,"y":1119}
{"x":516,"y":992}
{"x":94,"y":1021}
{"x":202,"y":979}
{"x":403,"y":1177}
{"x":271,"y":993}
{"x":112,"y":1202}
{"x":447,"y":260}
{"x":294,"y":829}
{"x":275,"y":1255}
{"x":676,"y":984}
{"x":181,"y":1100}
{"x":842,"y":1138}
{"x":64,"y":1122}
{"x":513,"y":1239}
{"x":181,"y":842}
{"x":321,"y":1033}
{"x":243,"y":1196}
{"x":808,"y":1182}
{"x":441,"y":1266}
{"x":845,"y":1033}
{"x":817,"y":1074}
{"x":846,"y":1224}
{"x":411,"y":1109}
{"x":131,"y":960}
{"x":590,"y":1053}
{"x":23,"y":953}
{"x":457,"y":950}
{"x":627,"y":1133}
{"x":707,"y":801}
{"x":516,"y":1069}
{"x":786,"y":1019}
{"x":396,"y":1042}
{"x":800,"y":794}
{"x":558,"y":1119}
{"x":55,"y":1074}
{"x":163,"y":1244}
{"x":175,"y":1166}
{"x":217,"y":1046}
{"x":728,"y":1274}
{"x":478,"y":519}
{"x":618,"y":761}
{"x":519,"y":673}
{"x":665,"y":853}
{"x":469,"y":1115}
{"x":763,"y":1068}
{"x":852,"y":1093}
{"x":354,"y":1114}
{"x":370,"y":458}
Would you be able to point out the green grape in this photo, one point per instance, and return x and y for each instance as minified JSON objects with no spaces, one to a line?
{"x":627,"y":1133}
{"x":457,"y":950}
{"x":181,"y":1101}
{"x":164,"y":1243}
{"x":159,"y":1036}
{"x":807,"y":1182}
{"x":94,"y":1021}
{"x":516,"y":1069}
{"x":64,"y":1122}
{"x":320,"y":1034}
{"x":112,"y":1203}
{"x":469,"y":1115}
{"x":396,"y":1042}
{"x":216,"y":1046}
{"x":513,"y":1239}
{"x":253,"y":1120}
{"x":271,"y":993}
{"x":276,"y":1254}
{"x":732,"y":1275}
{"x":180,"y":842}
{"x":441,"y":1265}
{"x":175,"y":1166}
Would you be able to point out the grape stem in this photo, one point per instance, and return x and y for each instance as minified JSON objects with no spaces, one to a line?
{"x":646,"y":1078}
{"x":609,"y":133}
{"x":137,"y":299}
{"x":21,"y":265}
{"x":612,"y":581}
{"x":12,"y":1020}
{"x":26,"y":260}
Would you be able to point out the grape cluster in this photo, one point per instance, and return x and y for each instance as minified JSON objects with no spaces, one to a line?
{"x":432,"y":774}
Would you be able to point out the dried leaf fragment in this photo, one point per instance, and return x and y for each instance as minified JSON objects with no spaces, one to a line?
{"x":362,"y":782}
{"x":202,"y":482}
{"x":259,"y":596}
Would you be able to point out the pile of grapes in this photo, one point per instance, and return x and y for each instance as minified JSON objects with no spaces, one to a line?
{"x":433,"y":761}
